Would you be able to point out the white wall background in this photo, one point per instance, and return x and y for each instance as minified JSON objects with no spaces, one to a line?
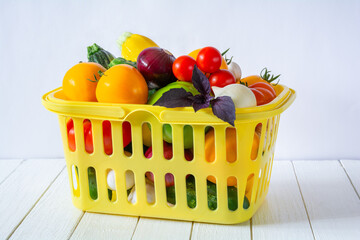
{"x":315,"y":45}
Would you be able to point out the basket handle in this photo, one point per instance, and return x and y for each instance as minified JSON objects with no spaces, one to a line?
{"x":84,"y":110}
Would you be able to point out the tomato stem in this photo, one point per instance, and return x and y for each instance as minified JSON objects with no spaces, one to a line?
{"x":96,"y":80}
{"x":225,"y":52}
{"x":267,"y":77}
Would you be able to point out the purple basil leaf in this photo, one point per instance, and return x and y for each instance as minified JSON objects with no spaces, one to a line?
{"x":176,"y":97}
{"x":223,"y":107}
{"x":200,"y":81}
{"x":200,"y":101}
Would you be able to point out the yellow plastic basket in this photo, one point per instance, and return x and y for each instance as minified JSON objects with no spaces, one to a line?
{"x":252,"y":176}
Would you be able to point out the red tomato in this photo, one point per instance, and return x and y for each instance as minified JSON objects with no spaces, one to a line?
{"x":168,"y":154}
{"x":71,"y":135}
{"x":126,"y":128}
{"x":221,"y":78}
{"x":264,"y":93}
{"x":89,"y":147}
{"x":209,"y":59}
{"x":183,"y":68}
{"x":107,"y":137}
{"x":88,"y":139}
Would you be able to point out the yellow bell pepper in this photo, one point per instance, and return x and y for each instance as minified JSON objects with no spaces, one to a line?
{"x":131,"y":45}
{"x":230,"y":150}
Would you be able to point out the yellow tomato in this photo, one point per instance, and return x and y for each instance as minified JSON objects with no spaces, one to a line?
{"x":122,"y":84}
{"x":146,"y":134}
{"x":194,"y":54}
{"x":79,"y":83}
{"x":231,"y":150}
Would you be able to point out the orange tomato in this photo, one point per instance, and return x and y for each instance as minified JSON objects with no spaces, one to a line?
{"x":79,"y":83}
{"x":194,"y":54}
{"x":250,"y":80}
{"x":122,"y":84}
{"x":231,"y":150}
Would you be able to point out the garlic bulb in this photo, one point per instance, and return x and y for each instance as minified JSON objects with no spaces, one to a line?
{"x":235,"y":69}
{"x":129,"y":179}
{"x":241,"y":95}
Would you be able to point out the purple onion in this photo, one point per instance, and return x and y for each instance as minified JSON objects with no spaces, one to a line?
{"x":155,"y":64}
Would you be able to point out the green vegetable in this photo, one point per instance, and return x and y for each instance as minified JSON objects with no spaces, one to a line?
{"x":110,"y":194}
{"x":92,"y":183}
{"x":167,"y":130}
{"x":98,"y":55}
{"x":212,"y":198}
{"x":121,"y":60}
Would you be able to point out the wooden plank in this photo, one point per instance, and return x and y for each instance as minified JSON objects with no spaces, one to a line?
{"x":54,"y":216}
{"x":208,"y":231}
{"x":332,"y":204}
{"x":158,"y":229}
{"x":283,"y":214}
{"x":7,"y":166}
{"x":22,"y":189}
{"x":352,"y":168}
{"x":103,"y":226}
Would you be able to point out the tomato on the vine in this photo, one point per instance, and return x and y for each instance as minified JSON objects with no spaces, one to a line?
{"x":209,"y":59}
{"x":264,"y":92}
{"x":183,"y":68}
{"x":221,"y":78}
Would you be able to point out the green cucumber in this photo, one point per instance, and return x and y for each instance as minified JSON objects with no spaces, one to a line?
{"x":99,"y":55}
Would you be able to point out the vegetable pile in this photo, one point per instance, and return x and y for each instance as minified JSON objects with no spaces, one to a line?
{"x":149,"y":74}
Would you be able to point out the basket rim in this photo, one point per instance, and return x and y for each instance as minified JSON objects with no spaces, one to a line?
{"x":117,"y":111}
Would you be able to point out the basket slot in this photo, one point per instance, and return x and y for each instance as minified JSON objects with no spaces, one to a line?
{"x":150,"y":189}
{"x":192,"y":192}
{"x":170,"y":189}
{"x":70,"y":134}
{"x":220,"y":139}
{"x":93,"y":188}
{"x":107,"y":137}
{"x":231,"y":145}
{"x":111,"y":184}
{"x":232,"y":195}
{"x":212,"y":194}
{"x":146,"y":135}
{"x":75,"y":185}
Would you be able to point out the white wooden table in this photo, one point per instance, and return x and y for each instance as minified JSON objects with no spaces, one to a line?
{"x":306,"y":200}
